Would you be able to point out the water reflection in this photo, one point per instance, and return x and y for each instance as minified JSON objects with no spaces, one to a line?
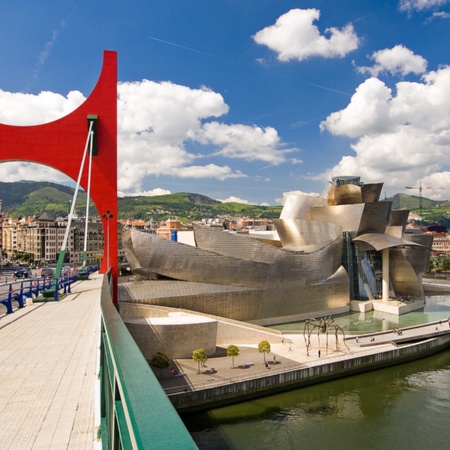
{"x":437,"y":307}
{"x":403,"y":406}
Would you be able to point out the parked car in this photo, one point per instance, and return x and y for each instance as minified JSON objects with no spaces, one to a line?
{"x":22,"y":273}
{"x":47,"y":272}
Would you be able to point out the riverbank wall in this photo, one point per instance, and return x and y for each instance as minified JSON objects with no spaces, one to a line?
{"x":306,"y":374}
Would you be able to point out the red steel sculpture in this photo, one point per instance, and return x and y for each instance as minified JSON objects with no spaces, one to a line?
{"x":60,"y":144}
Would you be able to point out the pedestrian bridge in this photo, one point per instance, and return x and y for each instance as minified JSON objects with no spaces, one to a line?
{"x":73,"y":377}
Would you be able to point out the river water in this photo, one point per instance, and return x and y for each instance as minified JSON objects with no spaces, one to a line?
{"x":402,"y":407}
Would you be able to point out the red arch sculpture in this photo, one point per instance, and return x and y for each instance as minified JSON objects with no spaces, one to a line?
{"x":60,"y":144}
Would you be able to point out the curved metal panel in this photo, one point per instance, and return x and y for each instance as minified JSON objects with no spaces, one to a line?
{"x":419,"y":256}
{"x":371,"y":192}
{"x":347,"y":194}
{"x":398,"y":217}
{"x":378,"y":242}
{"x":375,"y":217}
{"x":403,"y":277}
{"x":305,"y":233}
{"x":348,"y":217}
{"x":184,"y":262}
{"x":297,"y":205}
{"x":285,"y":264}
{"x":397,"y":222}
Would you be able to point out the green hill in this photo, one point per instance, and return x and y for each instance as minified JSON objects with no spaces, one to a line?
{"x":28,"y":198}
{"x":188,"y":207}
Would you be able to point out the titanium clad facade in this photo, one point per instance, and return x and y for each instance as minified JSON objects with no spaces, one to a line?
{"x":306,"y":235}
{"x":184,"y":262}
{"x":419,"y":255}
{"x":326,"y":251}
{"x":348,"y":217}
{"x":403,"y":277}
{"x":371,"y":192}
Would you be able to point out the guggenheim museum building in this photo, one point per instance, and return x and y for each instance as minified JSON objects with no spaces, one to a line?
{"x":329,"y":254}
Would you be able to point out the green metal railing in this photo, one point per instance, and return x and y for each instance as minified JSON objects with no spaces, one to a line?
{"x":135,"y":411}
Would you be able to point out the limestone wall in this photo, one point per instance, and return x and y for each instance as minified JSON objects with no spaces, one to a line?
{"x":176,"y":336}
{"x":229,"y":393}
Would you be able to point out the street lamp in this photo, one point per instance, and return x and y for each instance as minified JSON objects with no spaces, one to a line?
{"x":107,"y":216}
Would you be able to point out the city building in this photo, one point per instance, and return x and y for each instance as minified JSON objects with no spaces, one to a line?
{"x":39,"y":240}
{"x":326,"y":254}
{"x":169,"y":228}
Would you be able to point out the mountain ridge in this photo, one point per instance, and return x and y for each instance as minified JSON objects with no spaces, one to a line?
{"x":32,"y":198}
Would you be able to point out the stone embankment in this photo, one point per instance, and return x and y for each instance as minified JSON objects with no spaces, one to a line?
{"x":291,"y":366}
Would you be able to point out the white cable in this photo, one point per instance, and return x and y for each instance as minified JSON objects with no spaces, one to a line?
{"x":88,"y":194}
{"x":74,"y":200}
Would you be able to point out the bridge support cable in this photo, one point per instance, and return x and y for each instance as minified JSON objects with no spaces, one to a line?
{"x":54,"y":288}
{"x":88,"y":196}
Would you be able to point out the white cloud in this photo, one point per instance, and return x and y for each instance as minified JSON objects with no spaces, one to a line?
{"x":368,"y":111}
{"x":208,"y":171}
{"x":244,"y":142}
{"x":158,"y":124}
{"x":28,"y":109}
{"x":45,"y":54}
{"x":398,"y":60}
{"x":233,"y":199}
{"x":157,"y":120}
{"x":152,"y":193}
{"x":294,"y":37}
{"x":18,"y":171}
{"x":437,"y":15}
{"x":420,"y":5}
{"x":401,"y":138}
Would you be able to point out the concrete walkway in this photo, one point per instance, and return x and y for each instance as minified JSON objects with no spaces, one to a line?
{"x":289,"y":356}
{"x":48,"y":372}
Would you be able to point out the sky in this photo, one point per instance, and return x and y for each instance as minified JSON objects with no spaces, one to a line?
{"x":242,"y":100}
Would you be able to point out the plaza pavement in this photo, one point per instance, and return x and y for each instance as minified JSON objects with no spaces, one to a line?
{"x":290,"y":355}
{"x":48,"y":372}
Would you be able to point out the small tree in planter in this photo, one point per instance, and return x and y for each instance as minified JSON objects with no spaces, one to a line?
{"x":232,"y":351}
{"x":199,"y":356}
{"x":264,"y":347}
{"x":160,"y":360}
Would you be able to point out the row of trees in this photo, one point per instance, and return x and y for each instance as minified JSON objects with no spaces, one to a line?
{"x":439,"y":263}
{"x":161,"y":361}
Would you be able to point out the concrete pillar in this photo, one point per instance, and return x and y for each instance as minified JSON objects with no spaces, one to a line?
{"x":385,"y":264}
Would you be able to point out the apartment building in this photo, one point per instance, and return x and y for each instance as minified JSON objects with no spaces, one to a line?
{"x":41,"y":239}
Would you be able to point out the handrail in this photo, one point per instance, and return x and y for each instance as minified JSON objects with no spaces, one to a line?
{"x":135,"y":411}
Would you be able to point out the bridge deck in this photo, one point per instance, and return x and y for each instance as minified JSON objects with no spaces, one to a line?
{"x":48,"y":372}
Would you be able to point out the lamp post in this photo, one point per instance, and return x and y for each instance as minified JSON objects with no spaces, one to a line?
{"x":107,"y":216}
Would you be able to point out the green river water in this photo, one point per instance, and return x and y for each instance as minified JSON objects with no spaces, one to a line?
{"x":402,"y":407}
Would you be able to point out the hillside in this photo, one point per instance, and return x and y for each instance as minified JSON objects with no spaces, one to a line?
{"x":28,"y":198}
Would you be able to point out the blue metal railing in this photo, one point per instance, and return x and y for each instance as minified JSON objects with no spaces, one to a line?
{"x":20,"y":290}
{"x":135,"y":411}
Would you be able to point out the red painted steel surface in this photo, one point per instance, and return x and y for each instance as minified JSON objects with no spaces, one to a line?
{"x":60,"y":144}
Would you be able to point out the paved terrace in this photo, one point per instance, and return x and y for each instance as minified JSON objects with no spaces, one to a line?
{"x":290,"y":355}
{"x":48,"y":372}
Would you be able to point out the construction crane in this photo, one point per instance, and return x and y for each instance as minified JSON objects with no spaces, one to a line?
{"x":420,"y":193}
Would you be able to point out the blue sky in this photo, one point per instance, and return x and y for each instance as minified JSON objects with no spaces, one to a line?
{"x":243,"y":99}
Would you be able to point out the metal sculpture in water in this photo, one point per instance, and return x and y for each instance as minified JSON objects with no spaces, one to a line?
{"x":323,"y":326}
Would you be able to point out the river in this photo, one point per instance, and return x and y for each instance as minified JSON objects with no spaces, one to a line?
{"x":405,"y":406}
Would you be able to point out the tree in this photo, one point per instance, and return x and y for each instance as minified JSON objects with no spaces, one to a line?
{"x":446,"y":264}
{"x":264,"y":347}
{"x":232,"y":351}
{"x":199,"y":356}
{"x":160,"y":360}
